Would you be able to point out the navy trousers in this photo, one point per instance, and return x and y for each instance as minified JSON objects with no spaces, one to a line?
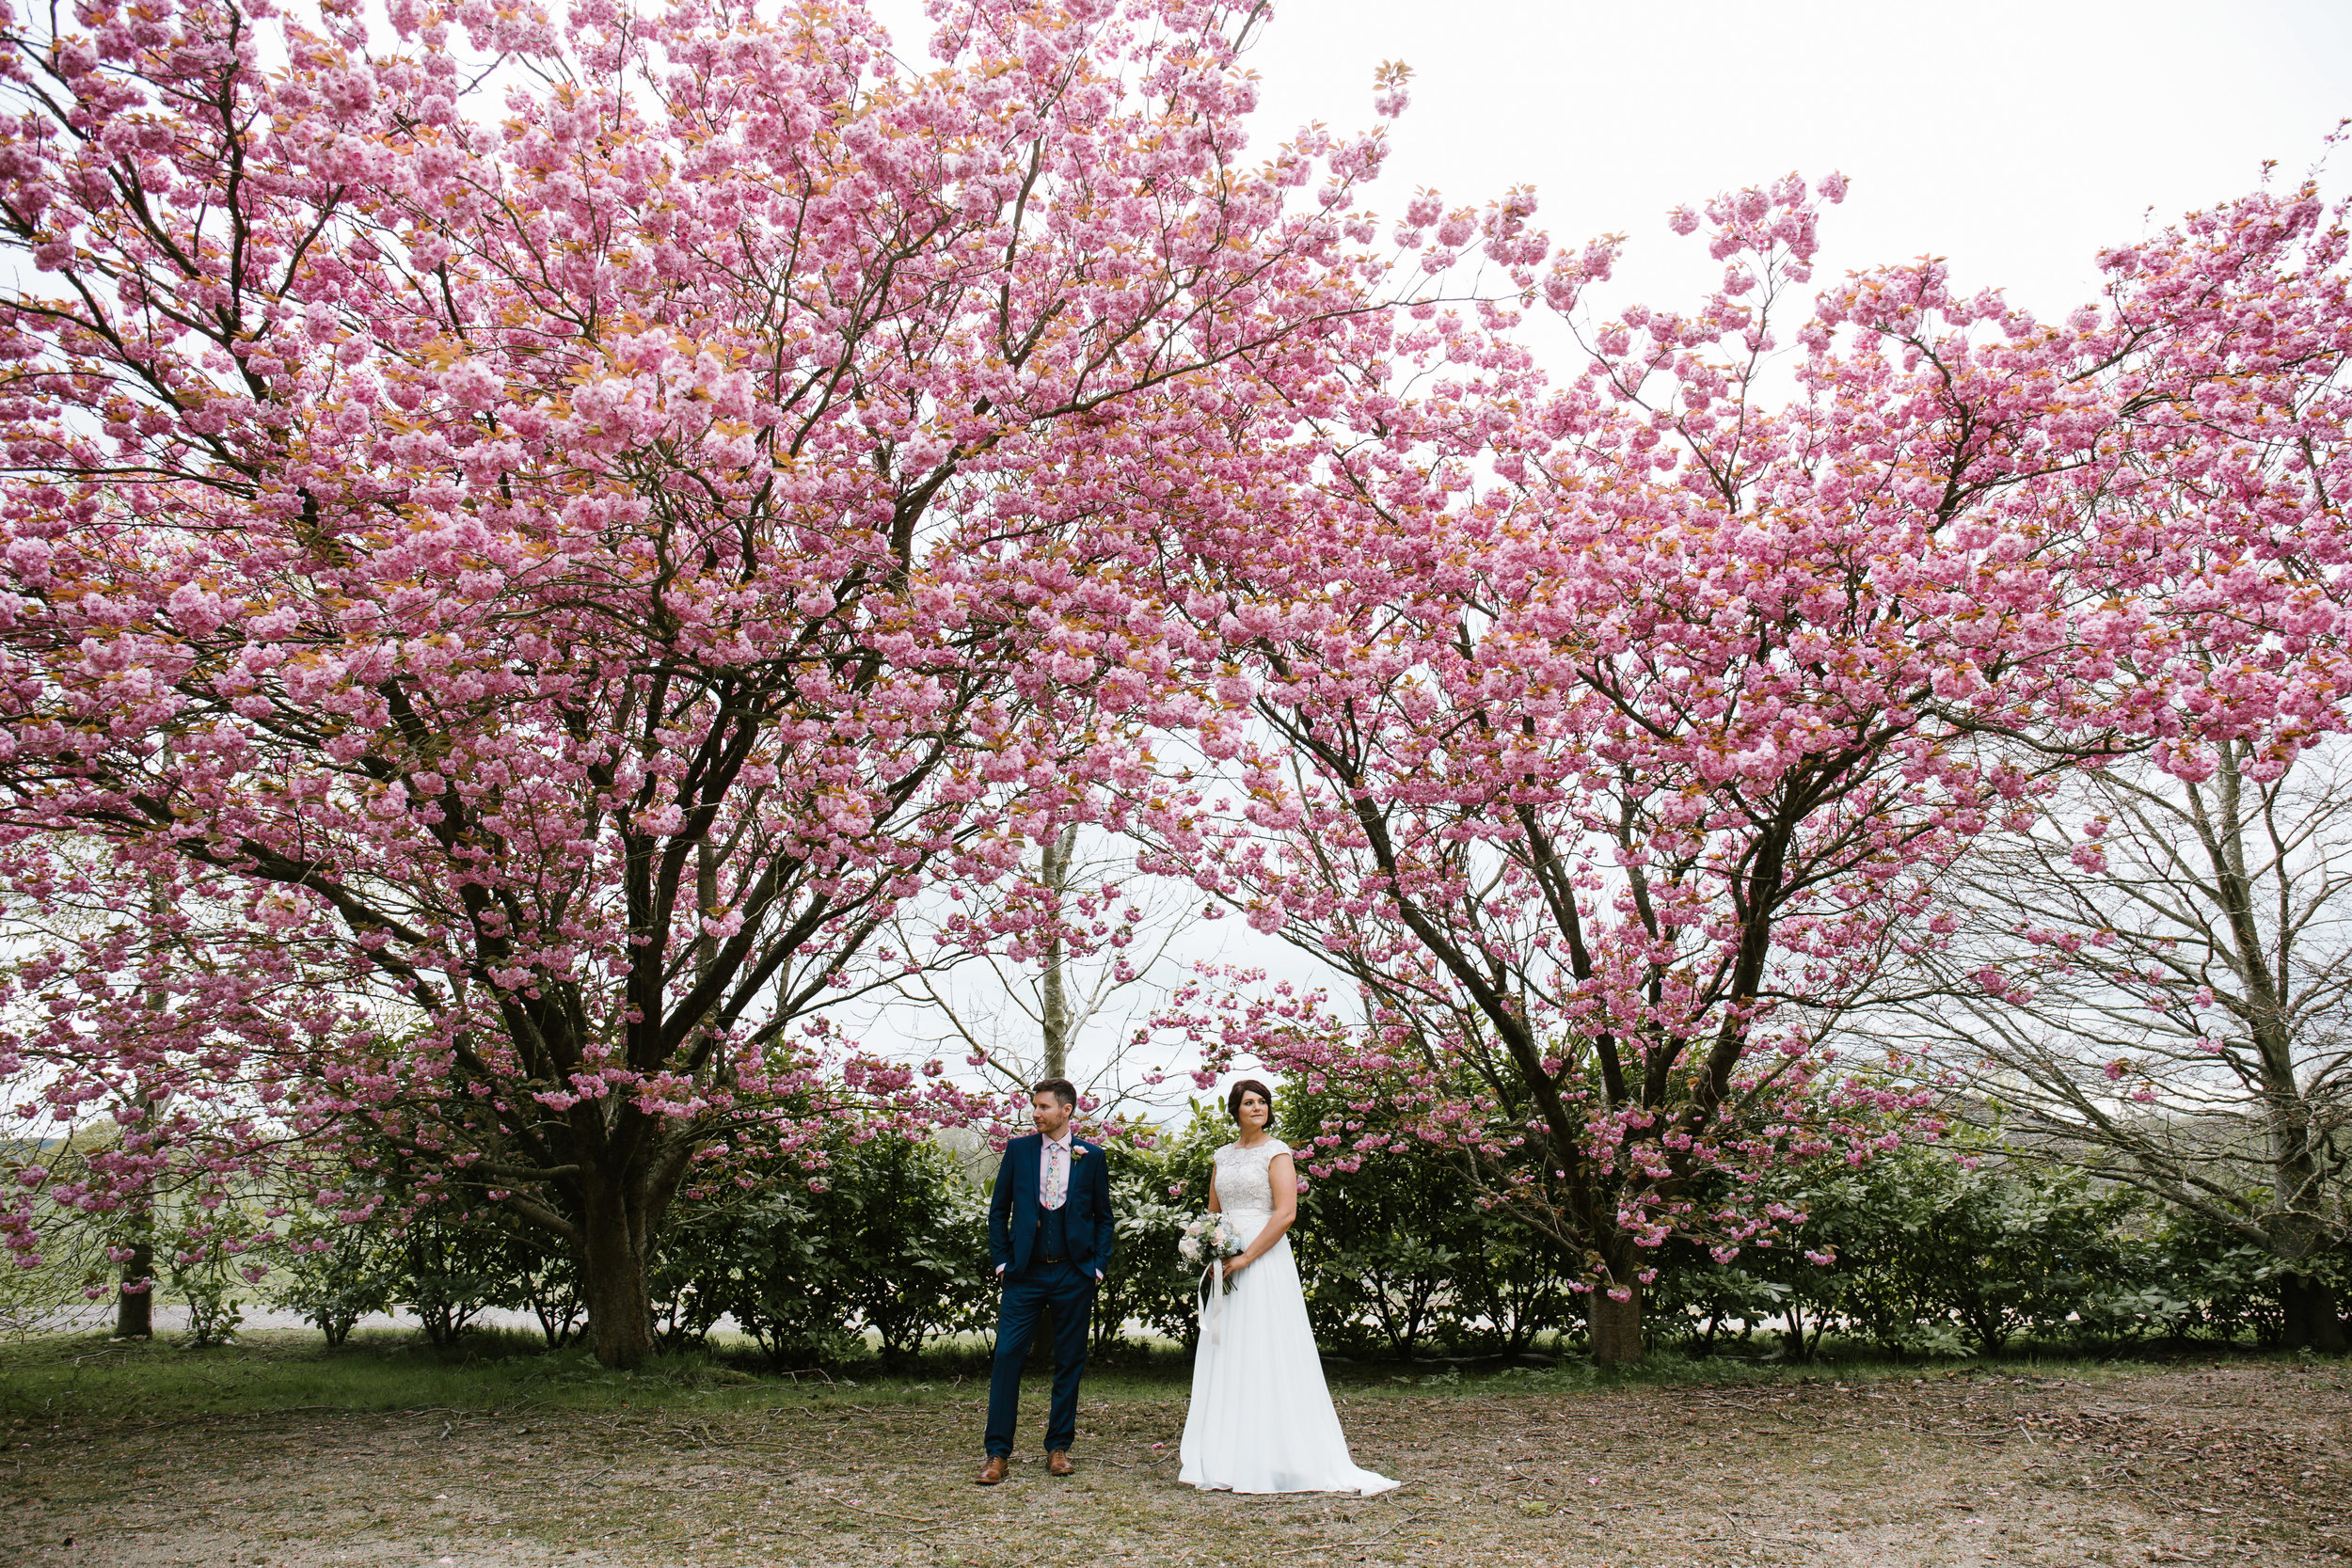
{"x":1071,"y":1293}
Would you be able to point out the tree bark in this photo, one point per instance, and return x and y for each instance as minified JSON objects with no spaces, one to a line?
{"x":2297,"y":1178}
{"x":706,"y":904}
{"x":1055,"y":1012}
{"x":1616,"y":1325}
{"x":134,"y":1299}
{"x":2313,"y":1318}
{"x":614,"y":1238}
{"x":135,"y":1296}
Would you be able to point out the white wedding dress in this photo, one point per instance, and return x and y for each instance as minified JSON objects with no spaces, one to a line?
{"x":1261,"y":1418}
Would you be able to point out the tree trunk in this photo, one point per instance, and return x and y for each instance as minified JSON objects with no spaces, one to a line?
{"x":1616,"y":1325}
{"x":2298,"y":1183}
{"x":1056,"y":1010}
{"x":2312,"y":1321}
{"x":613,"y":1281}
{"x":134,"y":1299}
{"x":2313,"y":1318}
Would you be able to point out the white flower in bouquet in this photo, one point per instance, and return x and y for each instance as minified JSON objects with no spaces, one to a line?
{"x":1209,"y":1238}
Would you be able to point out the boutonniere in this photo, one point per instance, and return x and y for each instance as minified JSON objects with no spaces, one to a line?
{"x":1077,"y":1152}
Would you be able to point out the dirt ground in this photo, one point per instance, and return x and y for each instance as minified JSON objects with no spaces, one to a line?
{"x":2248,"y":1465}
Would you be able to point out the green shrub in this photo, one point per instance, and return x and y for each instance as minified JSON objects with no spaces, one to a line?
{"x":886,"y":1235}
{"x":1154,"y":1190}
{"x":334,"y":1275}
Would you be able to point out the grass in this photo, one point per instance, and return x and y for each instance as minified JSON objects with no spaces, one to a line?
{"x":93,"y":1377}
{"x":89,"y":1376}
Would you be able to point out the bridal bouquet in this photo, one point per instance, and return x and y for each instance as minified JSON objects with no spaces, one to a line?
{"x":1209,"y":1239}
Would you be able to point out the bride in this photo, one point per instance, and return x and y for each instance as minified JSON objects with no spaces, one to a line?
{"x":1261,"y":1418}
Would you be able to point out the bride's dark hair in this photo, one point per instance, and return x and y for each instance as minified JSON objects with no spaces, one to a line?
{"x":1250,"y":1085}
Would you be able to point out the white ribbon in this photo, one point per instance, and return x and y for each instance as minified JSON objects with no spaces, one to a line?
{"x":1213,"y":1303}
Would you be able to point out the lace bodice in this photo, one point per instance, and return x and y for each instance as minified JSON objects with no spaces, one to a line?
{"x":1242,"y":1178}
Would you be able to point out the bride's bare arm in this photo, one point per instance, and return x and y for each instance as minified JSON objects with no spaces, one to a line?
{"x":1215,"y":1208}
{"x":1281,"y":1174}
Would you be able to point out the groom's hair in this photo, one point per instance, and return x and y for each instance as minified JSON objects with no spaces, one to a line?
{"x":1060,"y":1088}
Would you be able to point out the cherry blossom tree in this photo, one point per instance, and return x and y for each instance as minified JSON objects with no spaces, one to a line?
{"x":533,"y":586}
{"x":1611,"y":740}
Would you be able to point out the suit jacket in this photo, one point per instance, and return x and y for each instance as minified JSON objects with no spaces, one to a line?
{"x":1013,"y":1208}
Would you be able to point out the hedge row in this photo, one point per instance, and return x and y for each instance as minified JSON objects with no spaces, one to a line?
{"x":1935,"y":1252}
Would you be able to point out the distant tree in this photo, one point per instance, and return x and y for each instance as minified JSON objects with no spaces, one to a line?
{"x":2155,"y":984}
{"x":1071,"y":957}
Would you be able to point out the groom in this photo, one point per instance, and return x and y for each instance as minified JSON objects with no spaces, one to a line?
{"x":1049,"y":1234}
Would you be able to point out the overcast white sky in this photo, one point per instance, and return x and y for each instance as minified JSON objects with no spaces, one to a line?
{"x":2015,"y":138}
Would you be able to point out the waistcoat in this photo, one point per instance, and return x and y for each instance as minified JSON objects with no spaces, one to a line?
{"x":1052,"y":1233}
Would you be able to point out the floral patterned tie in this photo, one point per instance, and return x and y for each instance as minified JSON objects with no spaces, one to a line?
{"x":1056,"y":1174}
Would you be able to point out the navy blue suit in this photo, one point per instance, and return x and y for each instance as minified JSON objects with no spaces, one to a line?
{"x":1047,"y":1258}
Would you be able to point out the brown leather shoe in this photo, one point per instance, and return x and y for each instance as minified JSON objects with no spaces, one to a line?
{"x":1057,"y":1463}
{"x":993,"y":1471}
